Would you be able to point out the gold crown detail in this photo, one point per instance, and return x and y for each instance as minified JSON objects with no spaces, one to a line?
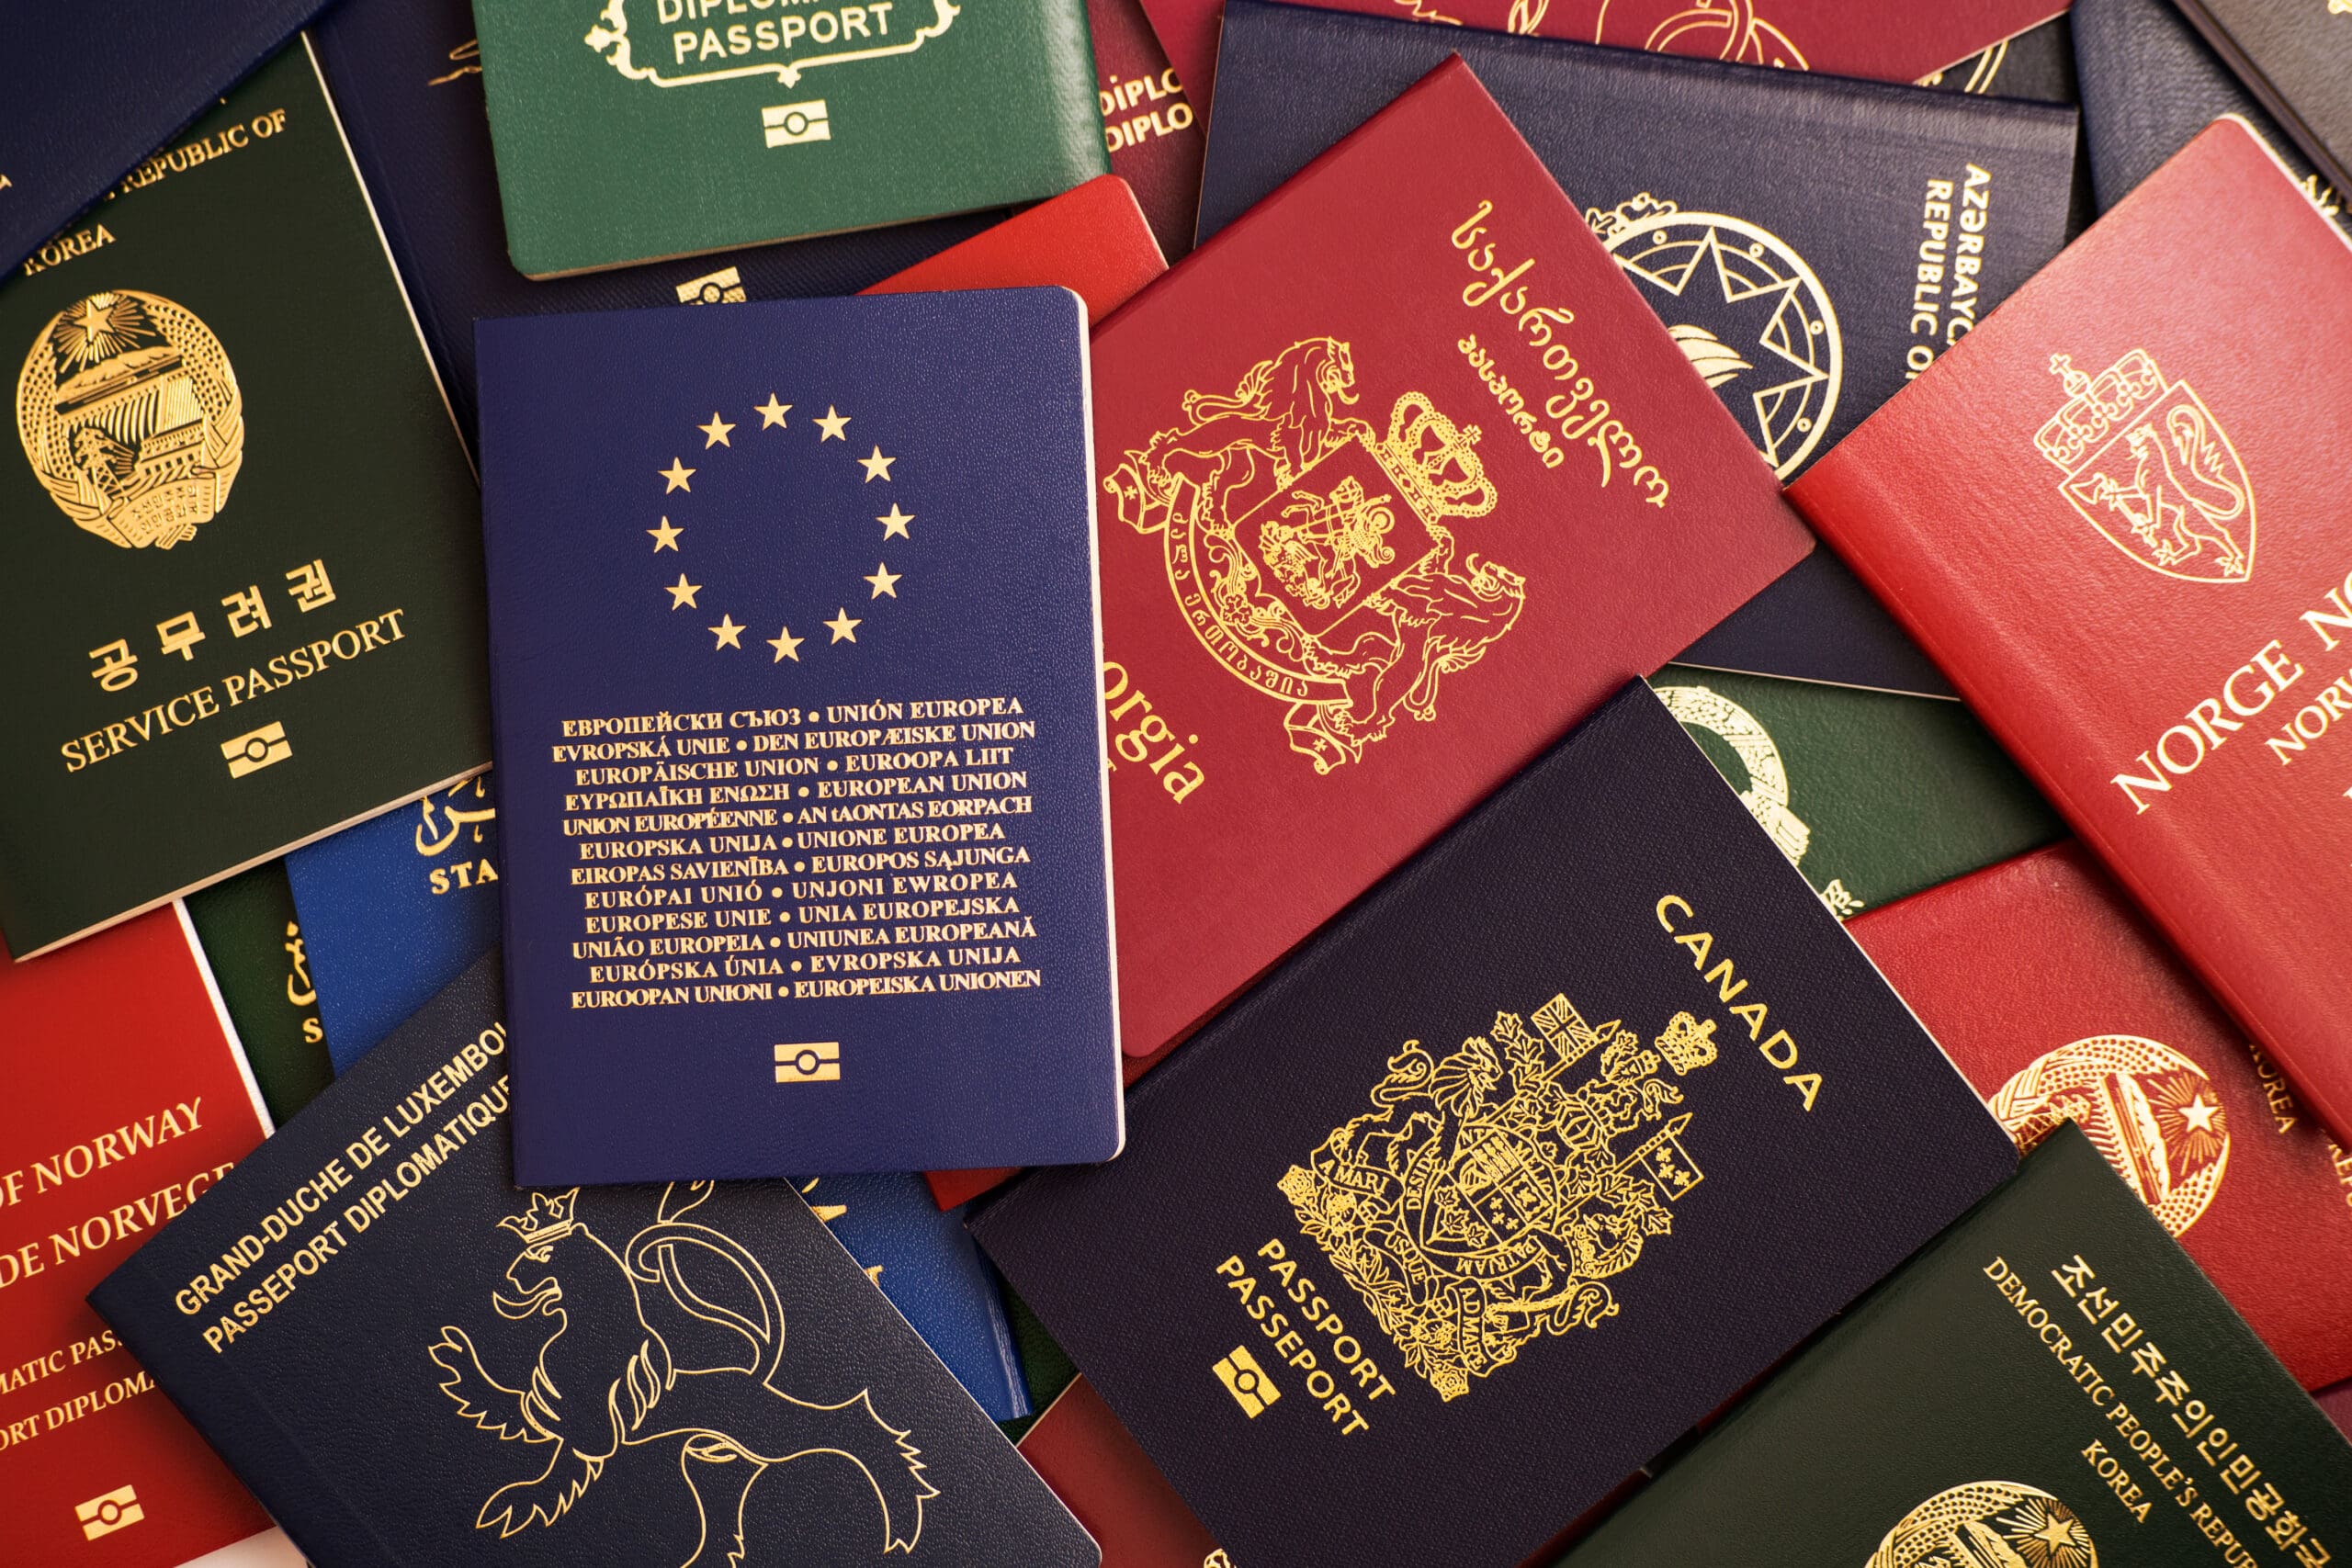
{"x":1688,"y":1043}
{"x":2097,"y":405}
{"x":1436,"y":460}
{"x":549,"y":1219}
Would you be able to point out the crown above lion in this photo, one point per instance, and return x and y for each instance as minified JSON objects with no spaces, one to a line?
{"x":549,"y":1219}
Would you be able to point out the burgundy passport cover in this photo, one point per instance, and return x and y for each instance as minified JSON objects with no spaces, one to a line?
{"x":2047,"y":990}
{"x":1149,"y":121}
{"x":2115,"y":516}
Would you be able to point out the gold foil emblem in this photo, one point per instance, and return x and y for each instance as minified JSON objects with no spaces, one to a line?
{"x":1309,"y":552}
{"x":2152,"y":1112}
{"x":1988,"y":1524}
{"x":1487,"y":1200}
{"x":131,"y":416}
{"x":2149,"y":467}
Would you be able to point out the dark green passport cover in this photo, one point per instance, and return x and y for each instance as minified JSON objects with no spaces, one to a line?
{"x":243,"y":602}
{"x":651,"y":129}
{"x":253,"y":940}
{"x":2050,"y":1385}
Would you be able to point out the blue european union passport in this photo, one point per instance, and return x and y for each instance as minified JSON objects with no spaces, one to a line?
{"x":406,"y":78}
{"x":415,"y":1365}
{"x":397,"y":908}
{"x":795,"y":665}
{"x":1551,"y":1143}
{"x":1812,"y":242}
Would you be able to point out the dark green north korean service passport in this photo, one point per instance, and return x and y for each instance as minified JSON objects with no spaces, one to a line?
{"x":2052,"y":1383}
{"x":630,"y":131}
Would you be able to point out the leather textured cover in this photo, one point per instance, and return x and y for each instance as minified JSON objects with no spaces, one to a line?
{"x":127,"y":1102}
{"x":1336,"y":618}
{"x":1149,"y":121}
{"x":806,"y":864}
{"x":2052,"y":1382}
{"x":373,"y":1256}
{"x":1848,"y":187}
{"x":1081,"y":1450}
{"x":2057,"y":999}
{"x":253,"y":940}
{"x":1875,"y":796}
{"x":245,"y":601}
{"x":1092,"y":240}
{"x":2149,"y":85}
{"x":2038,"y":63}
{"x":2074,"y":492}
{"x":406,"y":75}
{"x":622,"y":138}
{"x":2337,"y":1402}
{"x":96,"y":86}
{"x":2297,"y":59}
{"x":1520,"y":1167}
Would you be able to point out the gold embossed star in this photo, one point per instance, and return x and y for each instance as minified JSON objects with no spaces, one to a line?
{"x":885,"y":580}
{"x":682,"y":594}
{"x":786,"y":645}
{"x":844,"y":628}
{"x":877,"y":467}
{"x":677,"y":473}
{"x":2200,"y":1114}
{"x":715,"y":433}
{"x":894,"y":527}
{"x":772,"y":413}
{"x":665,"y":537}
{"x":729,"y":634}
{"x":833,"y":424}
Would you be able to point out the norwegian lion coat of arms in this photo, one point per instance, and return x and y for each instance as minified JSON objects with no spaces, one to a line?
{"x":1309,"y":551}
{"x":1487,"y":1200}
{"x":2149,"y":467}
{"x":678,"y":1333}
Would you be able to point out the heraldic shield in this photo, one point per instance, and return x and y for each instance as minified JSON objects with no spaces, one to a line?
{"x":1489,"y":1198}
{"x":1309,"y":553}
{"x":2148,"y":467}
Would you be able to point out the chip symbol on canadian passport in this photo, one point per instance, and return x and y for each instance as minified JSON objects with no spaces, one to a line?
{"x":807,"y":849}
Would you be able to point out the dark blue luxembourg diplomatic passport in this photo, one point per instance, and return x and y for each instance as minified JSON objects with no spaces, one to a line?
{"x":794,"y":668}
{"x":397,"y":908}
{"x":1814,"y":243}
{"x":406,"y":79}
{"x":410,"y":1362}
{"x":97,"y":85}
{"x":1540,"y":1153}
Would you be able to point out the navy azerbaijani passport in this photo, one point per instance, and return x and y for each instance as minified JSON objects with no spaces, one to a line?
{"x":1540,"y":1153}
{"x":1814,"y":243}
{"x":795,"y":659}
{"x":601,"y":1375}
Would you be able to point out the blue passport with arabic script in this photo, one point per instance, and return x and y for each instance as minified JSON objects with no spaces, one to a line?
{"x":795,"y":661}
{"x":1544,"y":1150}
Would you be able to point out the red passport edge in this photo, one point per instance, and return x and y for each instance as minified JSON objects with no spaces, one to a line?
{"x":1092,"y":240}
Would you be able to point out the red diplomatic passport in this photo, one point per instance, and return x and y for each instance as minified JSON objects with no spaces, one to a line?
{"x":2115,"y":517}
{"x":1092,"y":240}
{"x":128,"y":1098}
{"x":1150,"y":122}
{"x":1400,"y":478}
{"x":2057,"y":1001}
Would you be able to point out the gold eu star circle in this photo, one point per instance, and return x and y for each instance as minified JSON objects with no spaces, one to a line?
{"x":671,"y":531}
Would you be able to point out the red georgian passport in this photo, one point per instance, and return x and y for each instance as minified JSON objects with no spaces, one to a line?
{"x":2056,"y":999}
{"x":2115,"y":516}
{"x":1400,"y":478}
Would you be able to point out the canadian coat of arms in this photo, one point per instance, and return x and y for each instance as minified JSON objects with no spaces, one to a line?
{"x":1487,"y":1200}
{"x":2148,"y":467}
{"x":1309,"y":551}
{"x":677,"y":1335}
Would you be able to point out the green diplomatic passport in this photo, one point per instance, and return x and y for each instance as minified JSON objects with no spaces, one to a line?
{"x":1874,"y":795}
{"x":2051,"y":1383}
{"x":254,"y":942}
{"x":243,"y":600}
{"x":629,"y":130}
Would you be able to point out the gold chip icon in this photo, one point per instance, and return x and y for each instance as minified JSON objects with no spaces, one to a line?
{"x":724,"y":286}
{"x":1247,"y":1381}
{"x":256,"y":749}
{"x":787,"y":125}
{"x":118,"y":1509}
{"x":811,"y":1061}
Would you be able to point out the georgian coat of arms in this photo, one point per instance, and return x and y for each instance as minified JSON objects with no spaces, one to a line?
{"x":1488,"y":1200}
{"x":2149,"y":467}
{"x":1309,"y":553}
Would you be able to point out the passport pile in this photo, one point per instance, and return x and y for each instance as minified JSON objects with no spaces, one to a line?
{"x":1279,"y":785}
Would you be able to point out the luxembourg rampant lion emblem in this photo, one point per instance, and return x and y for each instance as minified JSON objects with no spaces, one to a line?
{"x":679,"y":1334}
{"x":1489,"y":1198}
{"x":1309,"y":551}
{"x":2149,"y":467}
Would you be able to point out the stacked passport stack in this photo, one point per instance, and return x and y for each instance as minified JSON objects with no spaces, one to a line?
{"x":1155,"y":784}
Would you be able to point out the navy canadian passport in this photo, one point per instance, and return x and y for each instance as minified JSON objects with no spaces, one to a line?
{"x":796,"y":672}
{"x":410,"y":1362}
{"x":406,"y":78}
{"x":1812,"y":242}
{"x":1540,"y":1153}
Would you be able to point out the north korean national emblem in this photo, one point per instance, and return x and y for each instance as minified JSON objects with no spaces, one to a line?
{"x":2149,"y":467}
{"x":1986,"y":1523}
{"x":679,"y":1334}
{"x":1487,"y":1200}
{"x":1309,"y":552}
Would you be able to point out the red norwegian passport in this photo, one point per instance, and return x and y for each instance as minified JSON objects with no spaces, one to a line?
{"x":1103,"y":1476}
{"x":1092,"y":240}
{"x":127,"y":1096}
{"x":2058,"y":1001}
{"x":2115,"y":516}
{"x":1400,"y":478}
